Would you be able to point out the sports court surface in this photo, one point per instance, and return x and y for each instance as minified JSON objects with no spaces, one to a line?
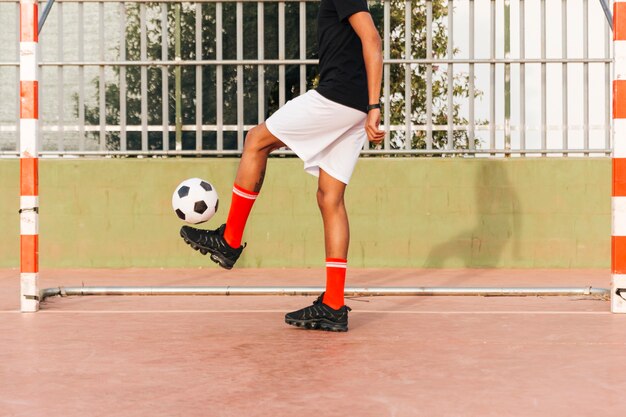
{"x":234,"y":356}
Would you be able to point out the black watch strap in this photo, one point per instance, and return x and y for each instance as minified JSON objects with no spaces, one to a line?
{"x":373,"y":106}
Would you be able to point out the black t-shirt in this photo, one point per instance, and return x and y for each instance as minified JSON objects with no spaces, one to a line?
{"x":343,"y":78}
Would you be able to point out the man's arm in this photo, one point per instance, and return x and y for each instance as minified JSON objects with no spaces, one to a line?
{"x":363,"y":25}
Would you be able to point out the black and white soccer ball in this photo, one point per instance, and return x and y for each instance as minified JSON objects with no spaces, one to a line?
{"x":195,"y":201}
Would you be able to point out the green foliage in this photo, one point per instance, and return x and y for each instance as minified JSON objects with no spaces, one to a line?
{"x":155,"y":75}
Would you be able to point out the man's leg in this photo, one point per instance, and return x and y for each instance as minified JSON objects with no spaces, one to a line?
{"x":224,"y":243}
{"x":329,"y":312}
{"x":249,"y":180}
{"x":258,"y":145}
{"x":330,"y":199}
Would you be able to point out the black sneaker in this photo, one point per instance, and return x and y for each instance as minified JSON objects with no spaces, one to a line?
{"x":320,"y":316}
{"x":213,"y":242}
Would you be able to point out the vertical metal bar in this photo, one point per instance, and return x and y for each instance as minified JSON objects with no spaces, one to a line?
{"x":586,"y":75}
{"x":81,"y":77}
{"x":60,"y":101}
{"x":608,"y":114}
{"x":281,"y":53}
{"x":522,"y":82}
{"x":178,"y":94}
{"x":29,"y":158}
{"x":240,"y":76}
{"x":429,"y":75}
{"x":507,"y":77}
{"x":219,"y":77}
{"x":564,"y":103}
{"x":144,"y":76}
{"x":41,"y":91}
{"x":386,"y":71}
{"x":544,"y":109}
{"x":618,"y":215}
{"x":17,"y":78}
{"x":471,"y":134}
{"x":261,"y":56}
{"x":123,"y":141}
{"x":450,"y":71}
{"x":408,"y":33}
{"x":102,"y":81}
{"x":198,"y":77}
{"x":492,"y":79}
{"x":302,"y":46}
{"x":165,"y":109}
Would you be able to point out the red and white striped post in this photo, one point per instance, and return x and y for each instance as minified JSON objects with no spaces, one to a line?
{"x":618,"y":240}
{"x":29,"y":177}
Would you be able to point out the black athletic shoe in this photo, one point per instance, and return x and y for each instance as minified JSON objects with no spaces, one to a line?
{"x":320,"y":316}
{"x":213,"y":242}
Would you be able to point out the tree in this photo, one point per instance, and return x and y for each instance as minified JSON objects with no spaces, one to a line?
{"x":440,"y":112}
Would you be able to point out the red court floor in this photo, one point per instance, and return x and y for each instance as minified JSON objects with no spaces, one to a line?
{"x":234,"y":356}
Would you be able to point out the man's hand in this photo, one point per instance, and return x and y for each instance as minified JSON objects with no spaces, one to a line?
{"x":374,"y":134}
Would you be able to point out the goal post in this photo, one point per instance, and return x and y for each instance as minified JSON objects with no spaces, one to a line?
{"x":29,"y":156}
{"x":618,"y":238}
{"x":29,"y":28}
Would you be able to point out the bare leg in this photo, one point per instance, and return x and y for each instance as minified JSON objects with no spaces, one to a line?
{"x":330,"y":194}
{"x":259,"y":144}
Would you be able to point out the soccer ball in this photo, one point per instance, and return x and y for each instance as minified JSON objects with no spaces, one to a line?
{"x":195,"y":201}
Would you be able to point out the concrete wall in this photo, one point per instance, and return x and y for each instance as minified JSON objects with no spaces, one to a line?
{"x":404,"y":212}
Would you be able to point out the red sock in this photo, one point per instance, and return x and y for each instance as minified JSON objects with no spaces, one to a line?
{"x":240,"y":207}
{"x":335,"y":282}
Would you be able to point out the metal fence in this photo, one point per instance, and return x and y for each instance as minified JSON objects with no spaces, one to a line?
{"x":467,"y":77}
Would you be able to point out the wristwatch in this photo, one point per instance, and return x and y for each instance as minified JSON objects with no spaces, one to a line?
{"x":373,"y":106}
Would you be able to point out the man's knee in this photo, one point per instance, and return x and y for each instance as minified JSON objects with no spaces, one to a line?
{"x":329,"y":200}
{"x":259,"y":139}
{"x":253,"y":140}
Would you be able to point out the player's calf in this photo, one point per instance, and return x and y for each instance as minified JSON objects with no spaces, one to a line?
{"x":212,"y":242}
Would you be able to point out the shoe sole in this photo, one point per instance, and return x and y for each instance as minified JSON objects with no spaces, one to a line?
{"x":216,"y":257}
{"x":318,"y":324}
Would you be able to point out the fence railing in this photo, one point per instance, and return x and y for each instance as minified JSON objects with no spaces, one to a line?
{"x":470,"y":77}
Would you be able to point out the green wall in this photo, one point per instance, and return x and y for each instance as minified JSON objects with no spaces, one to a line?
{"x":404,"y":212}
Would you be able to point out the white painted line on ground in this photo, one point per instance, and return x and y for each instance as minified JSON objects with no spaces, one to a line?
{"x":284,"y":311}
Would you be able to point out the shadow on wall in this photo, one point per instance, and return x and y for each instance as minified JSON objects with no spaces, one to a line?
{"x":497,"y":225}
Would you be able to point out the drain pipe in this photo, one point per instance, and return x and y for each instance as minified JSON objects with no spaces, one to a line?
{"x":600,"y":293}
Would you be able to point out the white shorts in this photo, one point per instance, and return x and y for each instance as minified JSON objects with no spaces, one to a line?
{"x":324,"y":134}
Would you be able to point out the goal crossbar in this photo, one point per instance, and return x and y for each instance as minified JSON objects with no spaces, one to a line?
{"x":600,"y":293}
